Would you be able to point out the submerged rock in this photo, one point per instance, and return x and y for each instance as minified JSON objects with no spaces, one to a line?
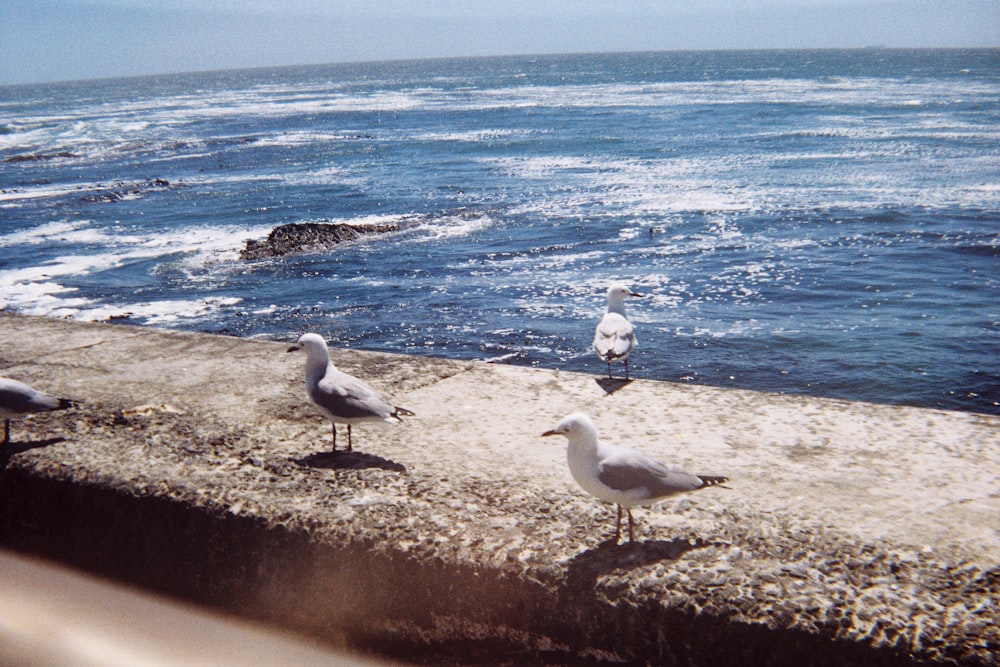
{"x":308,"y":237}
{"x":123,"y":190}
{"x":39,"y":157}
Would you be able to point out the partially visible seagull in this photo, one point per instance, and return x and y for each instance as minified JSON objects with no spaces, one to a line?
{"x":621,"y":475}
{"x":614,"y":337}
{"x":340,"y":397}
{"x":17,"y":398}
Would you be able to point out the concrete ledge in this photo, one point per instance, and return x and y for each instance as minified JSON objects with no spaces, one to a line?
{"x":853,"y":533}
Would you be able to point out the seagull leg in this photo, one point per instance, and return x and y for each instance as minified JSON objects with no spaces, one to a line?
{"x":626,"y":368}
{"x":618,"y":526}
{"x":631,"y":535}
{"x":349,"y":447}
{"x":334,"y":430}
{"x":610,"y":377}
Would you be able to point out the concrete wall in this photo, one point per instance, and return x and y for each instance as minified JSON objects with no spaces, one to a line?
{"x":851,"y":534}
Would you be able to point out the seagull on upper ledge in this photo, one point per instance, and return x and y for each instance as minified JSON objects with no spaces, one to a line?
{"x":614,"y":337}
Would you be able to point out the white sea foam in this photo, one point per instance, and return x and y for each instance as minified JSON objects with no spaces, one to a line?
{"x":58,"y":230}
{"x":323,"y":176}
{"x":162,"y":159}
{"x":437,"y":228}
{"x":8,"y":197}
{"x":480,"y":136}
{"x":94,"y":128}
{"x":232,"y":179}
{"x":165,"y":312}
{"x":804,"y":92}
{"x":656,"y":187}
{"x":41,"y":289}
{"x":266,"y":310}
{"x":792,"y":244}
{"x":292,"y":139}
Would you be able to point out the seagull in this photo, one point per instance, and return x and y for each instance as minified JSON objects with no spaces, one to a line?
{"x":340,"y":397}
{"x":614,"y":337}
{"x":621,"y":475}
{"x":17,"y":398}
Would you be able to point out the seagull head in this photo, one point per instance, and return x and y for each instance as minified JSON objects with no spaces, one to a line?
{"x":620,"y":291}
{"x":574,"y":427}
{"x":616,"y":298}
{"x":312,"y":343}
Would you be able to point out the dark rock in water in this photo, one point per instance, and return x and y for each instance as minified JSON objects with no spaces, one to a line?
{"x":120,"y":190}
{"x":39,"y":157}
{"x":309,"y":237}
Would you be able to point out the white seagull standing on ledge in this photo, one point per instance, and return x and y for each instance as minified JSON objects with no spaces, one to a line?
{"x":17,"y":398}
{"x":614,"y":337}
{"x":620,"y":475}
{"x":340,"y":397}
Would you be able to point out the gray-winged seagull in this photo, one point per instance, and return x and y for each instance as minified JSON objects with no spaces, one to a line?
{"x":340,"y":397}
{"x":621,"y":475}
{"x":17,"y":398}
{"x":614,"y":337}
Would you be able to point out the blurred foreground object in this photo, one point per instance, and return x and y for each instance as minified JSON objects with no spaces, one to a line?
{"x":53,"y":617}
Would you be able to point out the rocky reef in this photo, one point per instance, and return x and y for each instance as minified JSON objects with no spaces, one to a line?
{"x":303,"y":237}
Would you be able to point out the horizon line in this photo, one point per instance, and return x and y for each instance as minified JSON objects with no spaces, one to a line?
{"x":553,"y":54}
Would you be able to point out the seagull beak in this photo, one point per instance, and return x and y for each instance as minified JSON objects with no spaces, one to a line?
{"x":548,"y":433}
{"x":294,"y":348}
{"x":634,"y":294}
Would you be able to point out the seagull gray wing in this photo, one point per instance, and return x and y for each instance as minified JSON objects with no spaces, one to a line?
{"x":17,"y":398}
{"x":350,"y":398}
{"x":634,"y":470}
{"x":614,"y":336}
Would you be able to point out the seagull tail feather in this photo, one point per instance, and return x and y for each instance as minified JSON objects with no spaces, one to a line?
{"x":402,"y":412}
{"x":710,"y":480}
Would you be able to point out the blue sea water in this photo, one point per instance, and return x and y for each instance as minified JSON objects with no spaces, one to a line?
{"x":811,"y":222}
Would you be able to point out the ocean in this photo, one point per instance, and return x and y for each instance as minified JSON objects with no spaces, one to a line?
{"x":804,"y":222}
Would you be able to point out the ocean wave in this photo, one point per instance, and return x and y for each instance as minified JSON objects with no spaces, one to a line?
{"x":154,"y":313}
{"x":449,"y":225}
{"x":100,"y":124}
{"x":654,"y":187}
{"x":293,"y":139}
{"x":322,"y":176}
{"x":42,"y":288}
{"x":657,"y":188}
{"x":89,"y":192}
{"x":66,"y":231}
{"x":478,"y":136}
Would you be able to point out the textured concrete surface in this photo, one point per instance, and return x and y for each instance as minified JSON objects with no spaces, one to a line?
{"x":851,"y":533}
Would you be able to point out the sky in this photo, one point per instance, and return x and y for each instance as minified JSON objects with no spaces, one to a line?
{"x":58,"y":40}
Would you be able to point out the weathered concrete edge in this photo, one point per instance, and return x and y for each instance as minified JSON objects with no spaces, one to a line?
{"x":105,"y":524}
{"x":364,"y":595}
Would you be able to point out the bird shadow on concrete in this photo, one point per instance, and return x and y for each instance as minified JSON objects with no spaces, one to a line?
{"x":608,"y":556}
{"x":9,"y":449}
{"x":348,"y":461}
{"x":611,"y":385}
